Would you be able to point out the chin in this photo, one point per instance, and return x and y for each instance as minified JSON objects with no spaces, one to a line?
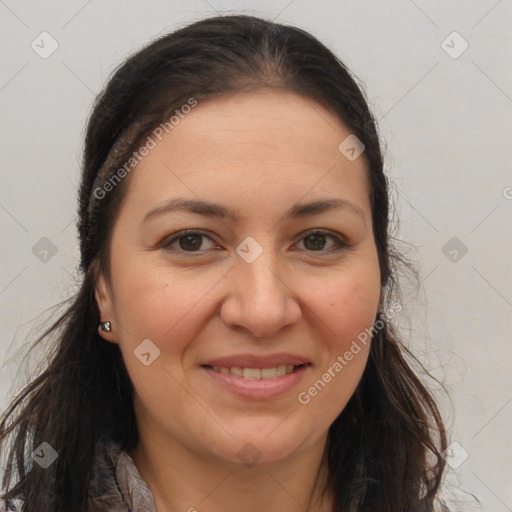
{"x":260,"y":447}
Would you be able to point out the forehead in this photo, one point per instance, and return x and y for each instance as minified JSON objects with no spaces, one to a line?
{"x":256,"y":148}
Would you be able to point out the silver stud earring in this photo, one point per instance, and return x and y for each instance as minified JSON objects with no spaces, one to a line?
{"x":106,"y":326}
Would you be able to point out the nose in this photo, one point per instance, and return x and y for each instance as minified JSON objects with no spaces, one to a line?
{"x":260,"y":297}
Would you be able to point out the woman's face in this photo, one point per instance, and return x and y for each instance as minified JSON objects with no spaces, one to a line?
{"x":260,"y":289}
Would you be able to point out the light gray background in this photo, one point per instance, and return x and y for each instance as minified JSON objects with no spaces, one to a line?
{"x":447,"y":125}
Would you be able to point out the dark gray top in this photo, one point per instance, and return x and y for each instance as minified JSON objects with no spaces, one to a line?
{"x":117,"y":486}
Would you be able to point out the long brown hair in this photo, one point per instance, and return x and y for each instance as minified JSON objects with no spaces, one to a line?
{"x":384,"y":449}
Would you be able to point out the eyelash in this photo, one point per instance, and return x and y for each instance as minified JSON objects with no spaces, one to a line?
{"x":166,"y":244}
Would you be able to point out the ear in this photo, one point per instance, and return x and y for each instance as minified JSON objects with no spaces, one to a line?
{"x":106,"y":308}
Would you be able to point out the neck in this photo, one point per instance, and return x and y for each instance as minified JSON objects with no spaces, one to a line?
{"x":181,"y":480}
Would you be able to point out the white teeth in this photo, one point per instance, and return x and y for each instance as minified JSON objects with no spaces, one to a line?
{"x":269,"y":373}
{"x":252,"y":373}
{"x":257,"y":373}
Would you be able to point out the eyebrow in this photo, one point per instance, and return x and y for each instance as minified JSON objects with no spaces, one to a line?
{"x":211,"y":209}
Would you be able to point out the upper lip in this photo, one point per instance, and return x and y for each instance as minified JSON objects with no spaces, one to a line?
{"x":256,"y":361}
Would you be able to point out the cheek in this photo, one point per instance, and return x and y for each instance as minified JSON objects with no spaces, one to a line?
{"x":352,"y":303}
{"x":149,"y":298}
{"x":346,"y":308}
{"x":167,"y":306}
{"x":152,"y":304}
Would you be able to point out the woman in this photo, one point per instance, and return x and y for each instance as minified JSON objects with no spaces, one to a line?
{"x":231,"y":345}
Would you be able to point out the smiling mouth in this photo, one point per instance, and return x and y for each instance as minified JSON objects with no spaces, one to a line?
{"x":257,"y":373}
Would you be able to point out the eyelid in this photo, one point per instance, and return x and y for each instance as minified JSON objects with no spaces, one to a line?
{"x":168,"y":240}
{"x":340,"y":240}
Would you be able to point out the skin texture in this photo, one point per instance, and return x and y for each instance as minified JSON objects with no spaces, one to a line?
{"x":259,"y":153}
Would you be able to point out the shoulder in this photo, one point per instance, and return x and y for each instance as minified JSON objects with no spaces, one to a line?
{"x":116,"y":485}
{"x":104,"y":491}
{"x":10,"y":505}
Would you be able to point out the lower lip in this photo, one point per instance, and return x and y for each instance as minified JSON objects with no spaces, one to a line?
{"x":258,"y":388}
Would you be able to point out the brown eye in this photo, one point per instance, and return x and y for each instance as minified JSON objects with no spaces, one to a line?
{"x":187,"y":242}
{"x":315,"y":241}
{"x":190,"y":242}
